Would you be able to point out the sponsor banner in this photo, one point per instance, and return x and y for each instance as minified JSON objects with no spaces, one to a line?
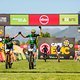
{"x":44,"y":19}
{"x":68,"y":19}
{"x":19,"y":20}
{"x":42,"y":47}
{"x":79,"y":19}
{"x":1,"y":31}
{"x":4,"y":19}
{"x":66,"y":46}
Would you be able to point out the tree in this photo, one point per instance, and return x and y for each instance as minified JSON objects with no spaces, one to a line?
{"x":23,"y":43}
{"x":78,"y":42}
{"x":46,"y":34}
{"x":28,"y":42}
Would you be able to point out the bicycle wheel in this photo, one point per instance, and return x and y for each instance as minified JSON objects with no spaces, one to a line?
{"x":45,"y":57}
{"x":29,"y":65}
{"x":32,"y":65}
{"x":6,"y":63}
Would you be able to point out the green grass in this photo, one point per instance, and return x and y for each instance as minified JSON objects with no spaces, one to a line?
{"x":39,"y":76}
{"x":51,"y":66}
{"x":50,"y":70}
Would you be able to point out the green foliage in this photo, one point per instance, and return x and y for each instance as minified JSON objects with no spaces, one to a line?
{"x":78,"y":27}
{"x":28,"y":42}
{"x":64,"y":36}
{"x":23,"y":43}
{"x":79,"y":42}
{"x":46,"y":34}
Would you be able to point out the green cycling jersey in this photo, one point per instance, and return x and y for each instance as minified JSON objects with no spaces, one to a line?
{"x":33,"y":38}
{"x":8,"y":43}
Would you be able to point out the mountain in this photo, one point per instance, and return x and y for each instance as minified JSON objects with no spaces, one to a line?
{"x":72,"y":31}
{"x":27,"y":30}
{"x":51,"y":30}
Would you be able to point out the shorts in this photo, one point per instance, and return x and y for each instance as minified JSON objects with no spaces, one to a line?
{"x":34,"y":48}
{"x":58,"y":52}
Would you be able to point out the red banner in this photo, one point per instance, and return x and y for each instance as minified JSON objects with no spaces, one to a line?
{"x":49,"y":19}
{"x":42,"y":46}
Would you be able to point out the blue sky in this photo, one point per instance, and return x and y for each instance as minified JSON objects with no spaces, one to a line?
{"x":39,"y":6}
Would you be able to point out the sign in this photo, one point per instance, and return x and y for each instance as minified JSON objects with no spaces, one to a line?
{"x":43,"y":19}
{"x":68,"y":19}
{"x":1,"y":31}
{"x":19,"y":20}
{"x":66,"y":46}
{"x":4,"y":19}
{"x":79,"y":19}
{"x":39,"y":19}
{"x":42,"y":46}
{"x":53,"y":47}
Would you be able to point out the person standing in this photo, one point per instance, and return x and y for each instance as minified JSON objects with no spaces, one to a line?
{"x":58,"y":52}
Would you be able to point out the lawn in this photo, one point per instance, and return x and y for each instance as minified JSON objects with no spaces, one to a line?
{"x":50,"y":70}
{"x":39,"y":76}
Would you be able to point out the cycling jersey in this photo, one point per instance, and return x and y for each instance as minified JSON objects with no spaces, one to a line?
{"x":32,"y":38}
{"x":8,"y":42}
{"x":45,"y":49}
{"x":58,"y":48}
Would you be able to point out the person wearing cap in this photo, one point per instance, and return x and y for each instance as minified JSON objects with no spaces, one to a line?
{"x":33,"y":37}
{"x":8,"y":41}
{"x":9,"y":44}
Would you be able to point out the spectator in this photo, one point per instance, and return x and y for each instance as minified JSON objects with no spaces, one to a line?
{"x":58,"y":52}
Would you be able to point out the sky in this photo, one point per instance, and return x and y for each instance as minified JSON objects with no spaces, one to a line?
{"x":39,"y":7}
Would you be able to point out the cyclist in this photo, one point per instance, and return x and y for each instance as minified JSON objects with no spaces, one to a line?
{"x":9,"y":46}
{"x":45,"y":49}
{"x":33,"y":37}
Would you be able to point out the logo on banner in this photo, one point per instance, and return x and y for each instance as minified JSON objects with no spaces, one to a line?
{"x":44,"y":19}
{"x":68,"y":19}
{"x":53,"y":47}
{"x":19,"y":19}
{"x":42,"y":46}
{"x":3,"y":19}
{"x":1,"y":31}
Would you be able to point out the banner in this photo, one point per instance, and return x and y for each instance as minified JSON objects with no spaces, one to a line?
{"x":19,"y":20}
{"x":66,"y":45}
{"x":43,"y":19}
{"x":1,"y":32}
{"x":68,"y":19}
{"x":79,"y":19}
{"x":4,"y":20}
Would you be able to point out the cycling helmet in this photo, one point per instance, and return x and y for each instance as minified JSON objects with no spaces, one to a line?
{"x":33,"y":30}
{"x":7,"y":35}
